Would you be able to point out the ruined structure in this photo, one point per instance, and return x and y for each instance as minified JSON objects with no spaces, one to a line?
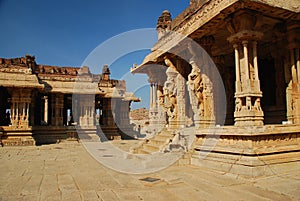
{"x":255,"y":47}
{"x":44,"y":104}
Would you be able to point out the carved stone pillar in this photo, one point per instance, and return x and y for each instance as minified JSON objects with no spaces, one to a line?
{"x":237,"y":68}
{"x":87,"y":110}
{"x":293,"y":90}
{"x":170,"y":93}
{"x":181,"y":103}
{"x":108,"y":118}
{"x":124,"y":120}
{"x":151,"y":95}
{"x":46,"y":109}
{"x":57,"y":105}
{"x":160,"y":106}
{"x":155,"y":94}
{"x":153,"y":105}
{"x":20,"y":104}
{"x":201,"y":96}
{"x":248,"y":111}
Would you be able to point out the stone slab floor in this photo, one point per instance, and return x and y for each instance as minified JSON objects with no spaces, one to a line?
{"x":67,"y":172}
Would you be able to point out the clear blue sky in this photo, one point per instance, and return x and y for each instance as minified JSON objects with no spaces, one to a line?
{"x":65,"y":32}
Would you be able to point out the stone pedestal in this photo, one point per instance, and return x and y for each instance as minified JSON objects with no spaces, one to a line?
{"x":247,"y":151}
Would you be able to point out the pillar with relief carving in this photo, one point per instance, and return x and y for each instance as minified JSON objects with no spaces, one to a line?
{"x":57,"y":105}
{"x":293,"y":89}
{"x":20,"y":104}
{"x":248,"y":111}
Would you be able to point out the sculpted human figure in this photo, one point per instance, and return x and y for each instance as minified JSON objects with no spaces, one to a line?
{"x":196,"y":87}
{"x":170,"y":90}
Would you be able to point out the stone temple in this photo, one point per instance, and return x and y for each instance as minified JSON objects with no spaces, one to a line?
{"x":44,"y":104}
{"x":225,"y":87}
{"x":229,"y":69}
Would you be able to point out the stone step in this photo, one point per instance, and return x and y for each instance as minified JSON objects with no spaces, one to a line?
{"x":163,"y":137}
{"x":151,"y":147}
{"x":158,"y":141}
{"x":142,"y":151}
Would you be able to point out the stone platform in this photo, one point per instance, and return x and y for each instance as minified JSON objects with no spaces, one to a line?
{"x":67,"y":172}
{"x":248,"y":151}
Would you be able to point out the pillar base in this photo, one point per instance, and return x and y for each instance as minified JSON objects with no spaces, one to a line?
{"x":203,"y":122}
{"x":249,"y":118}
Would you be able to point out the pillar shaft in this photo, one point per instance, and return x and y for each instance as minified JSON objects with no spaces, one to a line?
{"x":237,"y":62}
{"x":246,"y":59}
{"x":57,"y":105}
{"x":46,"y":109}
{"x":255,"y":60}
{"x":151,"y":95}
{"x":293,"y":66}
{"x":298,"y":63}
{"x":155,"y":94}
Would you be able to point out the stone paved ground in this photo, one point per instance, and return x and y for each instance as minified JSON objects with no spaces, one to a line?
{"x":67,"y":172}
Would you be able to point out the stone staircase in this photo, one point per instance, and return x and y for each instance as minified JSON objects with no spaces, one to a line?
{"x":155,"y":144}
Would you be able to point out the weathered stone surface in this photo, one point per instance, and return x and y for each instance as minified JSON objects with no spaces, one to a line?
{"x":67,"y":172}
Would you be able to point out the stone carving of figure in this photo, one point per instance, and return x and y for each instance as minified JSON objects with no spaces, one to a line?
{"x":196,"y":87}
{"x":170,"y":95}
{"x":238,"y":104}
{"x":257,"y":104}
{"x":170,"y":90}
{"x":248,"y":103}
{"x":161,"y":100}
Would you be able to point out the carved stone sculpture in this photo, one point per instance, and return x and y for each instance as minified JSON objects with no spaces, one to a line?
{"x":195,"y":86}
{"x":170,"y":90}
{"x":238,"y":104}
